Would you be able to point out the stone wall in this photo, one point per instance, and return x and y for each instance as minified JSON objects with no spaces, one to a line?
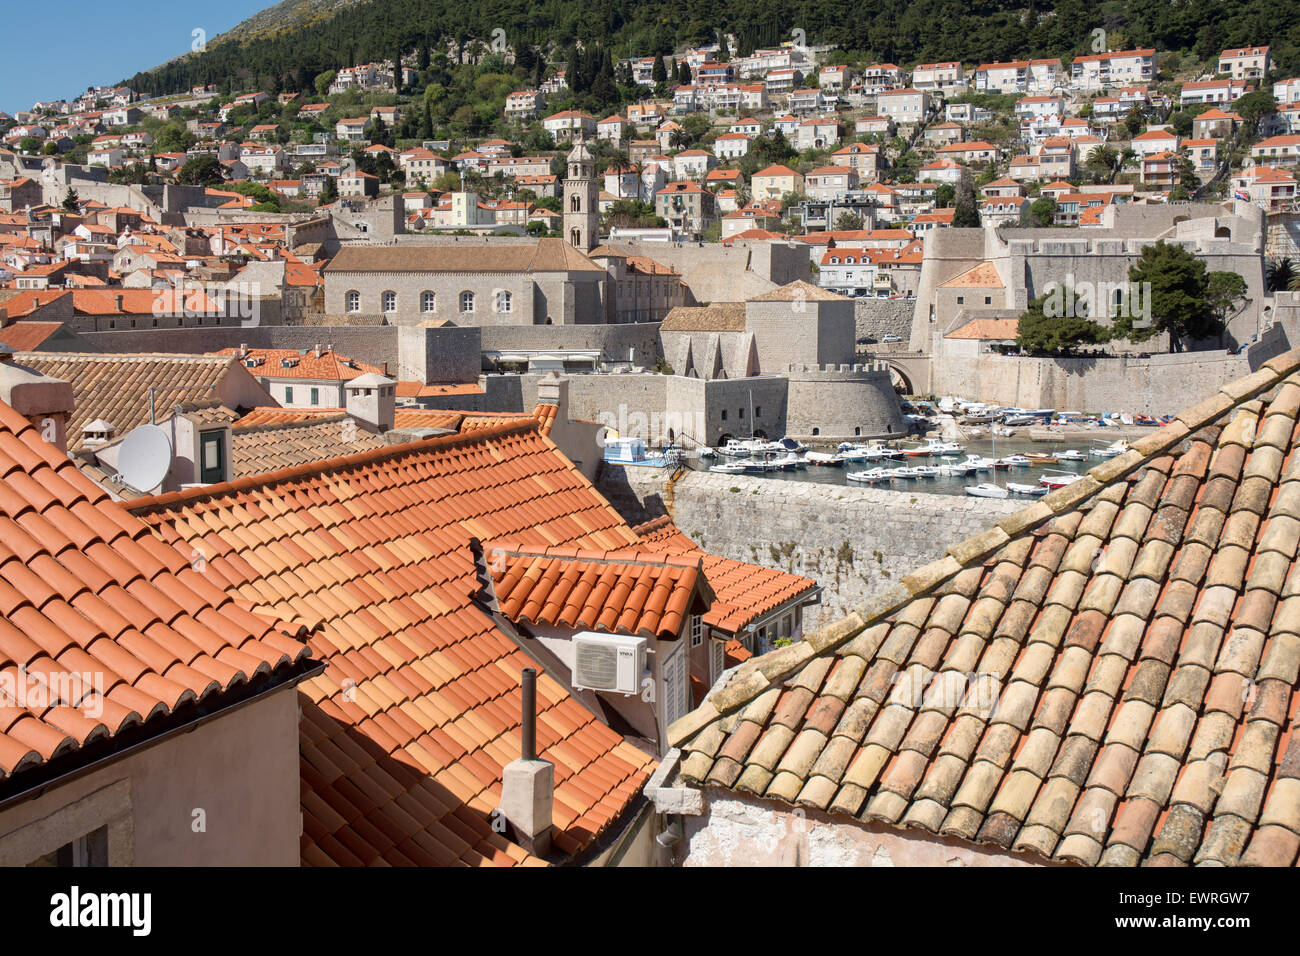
{"x":717,"y":273}
{"x":842,"y":402}
{"x":424,"y":355}
{"x":637,"y":342}
{"x":876,"y":318}
{"x":852,"y":541}
{"x":1159,"y":385}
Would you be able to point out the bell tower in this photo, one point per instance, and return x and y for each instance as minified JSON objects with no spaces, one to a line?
{"x":581,"y":199}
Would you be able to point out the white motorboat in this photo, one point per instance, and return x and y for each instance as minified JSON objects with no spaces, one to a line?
{"x":1015,"y":461}
{"x":955,"y":468}
{"x":979,"y":463}
{"x":871,"y":477}
{"x":707,"y":452}
{"x":824,"y":458}
{"x":787,"y":462}
{"x":728,"y":468}
{"x":926,"y":471}
{"x":986,"y":489}
{"x":1058,"y":479}
{"x":1071,"y":454}
{"x":1032,"y":491}
{"x":1110,"y":451}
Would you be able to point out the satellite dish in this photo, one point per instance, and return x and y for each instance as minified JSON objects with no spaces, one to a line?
{"x":145,"y":457}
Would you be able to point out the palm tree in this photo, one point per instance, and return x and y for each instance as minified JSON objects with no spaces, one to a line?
{"x":1281,"y":274}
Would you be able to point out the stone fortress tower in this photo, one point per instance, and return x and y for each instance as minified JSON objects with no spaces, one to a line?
{"x":581,"y":199}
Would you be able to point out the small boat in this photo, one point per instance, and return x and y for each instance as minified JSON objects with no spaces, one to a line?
{"x":903,"y":474}
{"x":986,"y":489}
{"x":1014,"y":461}
{"x":954,"y":468}
{"x":707,"y":452}
{"x":979,"y":463}
{"x":871,"y":476}
{"x":1033,"y":491}
{"x":728,"y":468}
{"x":788,"y":462}
{"x":823,"y":458}
{"x":926,"y":471}
{"x":756,"y":467}
{"x":1071,"y":454}
{"x":1058,"y":479}
{"x":919,"y":451}
{"x":1038,"y":458}
{"x":1112,"y":450}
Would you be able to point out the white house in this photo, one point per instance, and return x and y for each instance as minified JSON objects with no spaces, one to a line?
{"x":1250,"y":62}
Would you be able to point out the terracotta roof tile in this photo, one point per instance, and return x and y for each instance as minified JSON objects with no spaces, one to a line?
{"x":102,"y":614}
{"x":1136,"y":651}
{"x":407,"y":728}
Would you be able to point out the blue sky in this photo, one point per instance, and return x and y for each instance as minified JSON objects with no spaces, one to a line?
{"x":54,"y":51}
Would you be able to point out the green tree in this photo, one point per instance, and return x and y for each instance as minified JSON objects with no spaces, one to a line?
{"x":945,"y":195}
{"x":965,"y":213}
{"x":202,"y":170}
{"x":659,"y":72}
{"x":71,"y":200}
{"x":329,"y":192}
{"x":1226,"y":293}
{"x":1172,"y":286}
{"x":1252,"y":106}
{"x":1058,"y":322}
{"x":1280,"y":274}
{"x":1135,"y":120}
{"x":1042,"y":211}
{"x":848,"y":221}
{"x":323,"y":81}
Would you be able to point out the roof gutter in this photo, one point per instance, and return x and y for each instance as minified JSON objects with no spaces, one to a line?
{"x":138,"y":739}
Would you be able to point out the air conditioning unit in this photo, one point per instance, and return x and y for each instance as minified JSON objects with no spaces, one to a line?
{"x":608,"y":662}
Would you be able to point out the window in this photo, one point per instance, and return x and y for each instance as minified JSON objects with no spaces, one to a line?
{"x":504,"y":301}
{"x":717,"y":660}
{"x":961,"y":300}
{"x":315,"y":396}
{"x":428,"y":302}
{"x":288,"y":394}
{"x":88,"y":850}
{"x":352,"y":301}
{"x":724,"y":414}
{"x":988,"y":300}
{"x":390,"y":301}
{"x":212,"y":456}
{"x":758,"y":411}
{"x":467,"y":301}
{"x":697,"y":630}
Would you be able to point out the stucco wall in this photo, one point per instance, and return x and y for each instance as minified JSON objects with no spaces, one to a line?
{"x":240,"y":769}
{"x":741,"y":830}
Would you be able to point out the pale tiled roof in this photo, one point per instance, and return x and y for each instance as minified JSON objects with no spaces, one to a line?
{"x":1134,"y":641}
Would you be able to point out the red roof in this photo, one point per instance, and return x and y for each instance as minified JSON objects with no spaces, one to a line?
{"x":745,"y":592}
{"x":89,"y":597}
{"x":618,"y":592}
{"x":405,"y":734}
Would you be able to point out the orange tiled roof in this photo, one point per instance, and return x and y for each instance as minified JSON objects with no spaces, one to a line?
{"x":627,"y":591}
{"x":1132,"y":643}
{"x":744,"y":592}
{"x":405,"y":734}
{"x":329,"y":366}
{"x":85,"y":589}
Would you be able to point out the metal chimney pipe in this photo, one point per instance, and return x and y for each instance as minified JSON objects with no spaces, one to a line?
{"x":528,"y":725}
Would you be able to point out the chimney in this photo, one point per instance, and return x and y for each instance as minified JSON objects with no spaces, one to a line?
{"x":528,"y":784}
{"x":372,"y":401}
{"x":44,"y":401}
{"x":318,"y":350}
{"x":553,"y":390}
{"x":243,"y":350}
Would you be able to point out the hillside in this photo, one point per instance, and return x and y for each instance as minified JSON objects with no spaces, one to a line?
{"x":297,"y":39}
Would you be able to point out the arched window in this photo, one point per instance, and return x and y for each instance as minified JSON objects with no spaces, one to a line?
{"x":575,"y":237}
{"x":575,"y":203}
{"x":504,"y":301}
{"x":467,"y":301}
{"x":352,"y":301}
{"x":389,"y":300}
{"x":428,"y":302}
